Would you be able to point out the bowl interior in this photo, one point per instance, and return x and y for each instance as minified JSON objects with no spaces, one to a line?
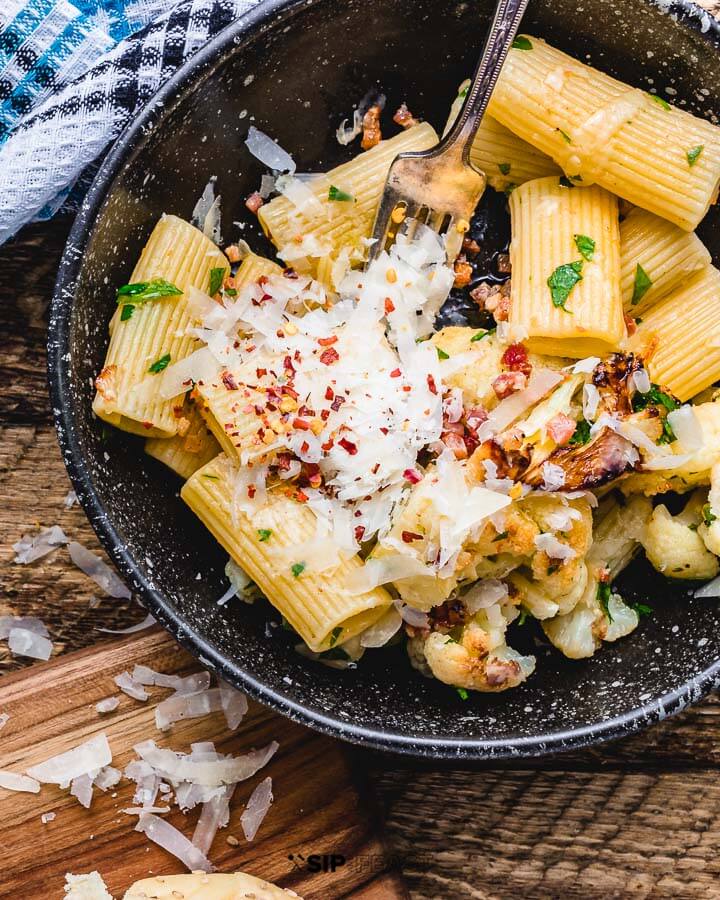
{"x":296,"y":76}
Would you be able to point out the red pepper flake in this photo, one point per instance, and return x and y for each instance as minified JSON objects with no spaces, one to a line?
{"x":389,"y":306}
{"x":328,"y":341}
{"x":359,"y":532}
{"x":375,"y":468}
{"x":385,"y":430}
{"x":290,"y":273}
{"x":280,"y":333}
{"x":301,"y":496}
{"x":329,"y":393}
{"x":431,"y":384}
{"x":324,"y":414}
{"x":407,"y":388}
{"x":337,"y":403}
{"x":304,"y":447}
{"x":260,"y":373}
{"x":396,"y":373}
{"x":147,"y":425}
{"x":306,"y":412}
{"x":410,"y":536}
{"x":327,"y":446}
{"x":301,"y":424}
{"x":251,"y":490}
{"x":229,"y":381}
{"x":412,"y":475}
{"x":508,"y":383}
{"x":515,"y":358}
{"x":288,"y":364}
{"x":286,"y":389}
{"x":348,"y":446}
{"x":329,"y":356}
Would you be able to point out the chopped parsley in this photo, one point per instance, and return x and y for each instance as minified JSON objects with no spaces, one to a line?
{"x":216,"y":279}
{"x":668,"y":435}
{"x":581,"y":435}
{"x":463,"y":93}
{"x":521,"y":43}
{"x":603,"y":596}
{"x":336,"y":194}
{"x":334,"y":635}
{"x":482,"y":334}
{"x":442,"y":354}
{"x":509,"y":188}
{"x":143,"y":291}
{"x":654,"y":397}
{"x":564,"y":135}
{"x":160,"y":364}
{"x":642,"y":609}
{"x":708,"y":515}
{"x":641,"y":286}
{"x":462,"y":693}
{"x":297,"y":569}
{"x":264,"y":534}
{"x":523,"y":616}
{"x":585,"y":245}
{"x":126,"y":312}
{"x":504,"y":168}
{"x":660,"y":101}
{"x":693,"y":154}
{"x":562,"y":281}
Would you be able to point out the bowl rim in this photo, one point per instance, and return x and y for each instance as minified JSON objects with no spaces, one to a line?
{"x":235,"y":36}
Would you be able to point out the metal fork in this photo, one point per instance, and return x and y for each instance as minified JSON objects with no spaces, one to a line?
{"x":440,"y":187}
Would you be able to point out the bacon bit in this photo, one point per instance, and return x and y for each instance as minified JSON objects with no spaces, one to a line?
{"x":260,"y":373}
{"x":329,"y":356}
{"x":147,"y":425}
{"x":456,"y":443}
{"x":229,"y":381}
{"x":251,"y":491}
{"x":105,"y":384}
{"x":561,"y":428}
{"x":306,"y":412}
{"x":348,"y":446}
{"x":431,"y":384}
{"x":301,"y":424}
{"x":329,"y":393}
{"x":404,"y":117}
{"x":412,"y":475}
{"x":463,"y":272}
{"x":233,"y":253}
{"x":630,"y":324}
{"x":328,"y":341}
{"x":396,"y":373}
{"x":337,"y":403}
{"x":254,"y":202}
{"x":182,"y":427}
{"x":503,"y":263}
{"x":359,"y":532}
{"x":301,"y":496}
{"x":516,"y":359}
{"x":494,"y":299}
{"x":508,"y":383}
{"x":327,"y":446}
{"x":283,"y":461}
{"x":470,"y":245}
{"x":372,"y":135}
{"x":475,"y":417}
{"x":410,"y":536}
{"x":389,"y":306}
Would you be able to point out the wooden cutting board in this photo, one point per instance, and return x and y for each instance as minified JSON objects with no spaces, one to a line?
{"x":322,"y":804}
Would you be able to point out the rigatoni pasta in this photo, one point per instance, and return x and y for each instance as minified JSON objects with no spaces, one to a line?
{"x":190,"y":449}
{"x":315,"y":599}
{"x":598,"y":129}
{"x":565,"y":256}
{"x":655,"y":258}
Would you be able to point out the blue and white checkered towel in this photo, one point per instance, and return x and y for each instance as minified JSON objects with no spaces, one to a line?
{"x":72,"y":74}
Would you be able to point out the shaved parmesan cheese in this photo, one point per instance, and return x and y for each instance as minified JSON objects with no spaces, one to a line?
{"x":584,"y":366}
{"x":147,"y":622}
{"x":379,"y":634}
{"x":23,"y":642}
{"x":385,"y":569}
{"x":109,"y":704}
{"x":30,"y":548}
{"x":129,"y":686}
{"x":554,"y":548}
{"x":301,"y":197}
{"x":641,"y":381}
{"x":562,"y":519}
{"x":14,"y":782}
{"x":100,"y":572}
{"x":686,"y":426}
{"x":415,"y":617}
{"x":200,"y":366}
{"x":169,"y":838}
{"x":82,"y":788}
{"x":86,"y":887}
{"x":206,"y":213}
{"x":47,"y":817}
{"x":143,"y":810}
{"x":94,"y":754}
{"x":270,"y":153}
{"x":345,"y":134}
{"x":181,"y":767}
{"x":511,"y":408}
{"x":590,"y":402}
{"x":485,"y":594}
{"x":234,"y":704}
{"x":4,"y":719}
{"x":70,"y":500}
{"x":215,"y":814}
{"x":28,"y":623}
{"x":553,"y":476}
{"x":189,"y":684}
{"x":186,"y":706}
{"x":711,"y":589}
{"x":107,"y":778}
{"x":256,"y":809}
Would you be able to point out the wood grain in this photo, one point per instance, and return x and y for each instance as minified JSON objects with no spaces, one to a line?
{"x":320,"y":801}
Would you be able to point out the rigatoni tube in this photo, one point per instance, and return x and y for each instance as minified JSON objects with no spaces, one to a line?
{"x":271,"y":546}
{"x":600,"y":130}
{"x":190,"y":449}
{"x":565,"y":259}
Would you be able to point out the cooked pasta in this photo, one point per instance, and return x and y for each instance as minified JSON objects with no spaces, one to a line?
{"x":598,"y":129}
{"x":273,"y":547}
{"x":565,"y":256}
{"x":190,"y":449}
{"x":655,"y":258}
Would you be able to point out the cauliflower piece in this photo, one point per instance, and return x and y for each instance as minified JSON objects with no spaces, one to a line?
{"x":480,"y":660}
{"x":674,"y":546}
{"x":618,"y":533}
{"x":709,"y":530}
{"x":558,"y":578}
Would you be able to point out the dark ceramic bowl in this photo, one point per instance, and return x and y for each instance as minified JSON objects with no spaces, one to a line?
{"x":294,"y":69}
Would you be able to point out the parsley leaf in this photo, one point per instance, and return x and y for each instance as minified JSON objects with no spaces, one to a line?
{"x":264,"y":534}
{"x":642,"y":285}
{"x":603,"y":597}
{"x":160,"y":364}
{"x":668,"y":435}
{"x":565,"y":136}
{"x":504,"y":168}
{"x":585,"y":245}
{"x":216,"y":279}
{"x":442,"y":354}
{"x":660,"y":101}
{"x":462,"y":693}
{"x":641,"y":609}
{"x":562,"y":281}
{"x":523,"y":616}
{"x":693,"y":154}
{"x":464,"y":92}
{"x":126,"y":312}
{"x":336,"y":194}
{"x":654,"y":397}
{"x":521,"y":43}
{"x":482,"y":334}
{"x":335,"y":634}
{"x":581,"y":435}
{"x":297,"y":569}
{"x":708,"y":515}
{"x":142,"y":291}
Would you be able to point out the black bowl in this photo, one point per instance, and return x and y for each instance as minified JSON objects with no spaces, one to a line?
{"x":294,"y":69}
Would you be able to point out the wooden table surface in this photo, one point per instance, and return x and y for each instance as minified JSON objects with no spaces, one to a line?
{"x":637,"y":818}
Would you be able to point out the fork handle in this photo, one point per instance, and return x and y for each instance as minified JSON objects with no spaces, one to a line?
{"x":508,"y":14}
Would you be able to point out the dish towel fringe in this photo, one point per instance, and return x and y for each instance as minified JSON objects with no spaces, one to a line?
{"x":72,"y":75}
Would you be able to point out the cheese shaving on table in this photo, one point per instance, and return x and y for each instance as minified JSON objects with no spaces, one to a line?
{"x":257,"y":808}
{"x":100,"y":572}
{"x":23,"y":642}
{"x":86,"y":887}
{"x":90,"y":756}
{"x":33,"y":547}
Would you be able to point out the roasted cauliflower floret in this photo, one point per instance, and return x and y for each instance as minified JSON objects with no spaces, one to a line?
{"x":559,"y":558}
{"x":619,"y":531}
{"x":674,"y":546}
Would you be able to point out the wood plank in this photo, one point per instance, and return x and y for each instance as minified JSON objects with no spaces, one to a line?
{"x":321,"y":804}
